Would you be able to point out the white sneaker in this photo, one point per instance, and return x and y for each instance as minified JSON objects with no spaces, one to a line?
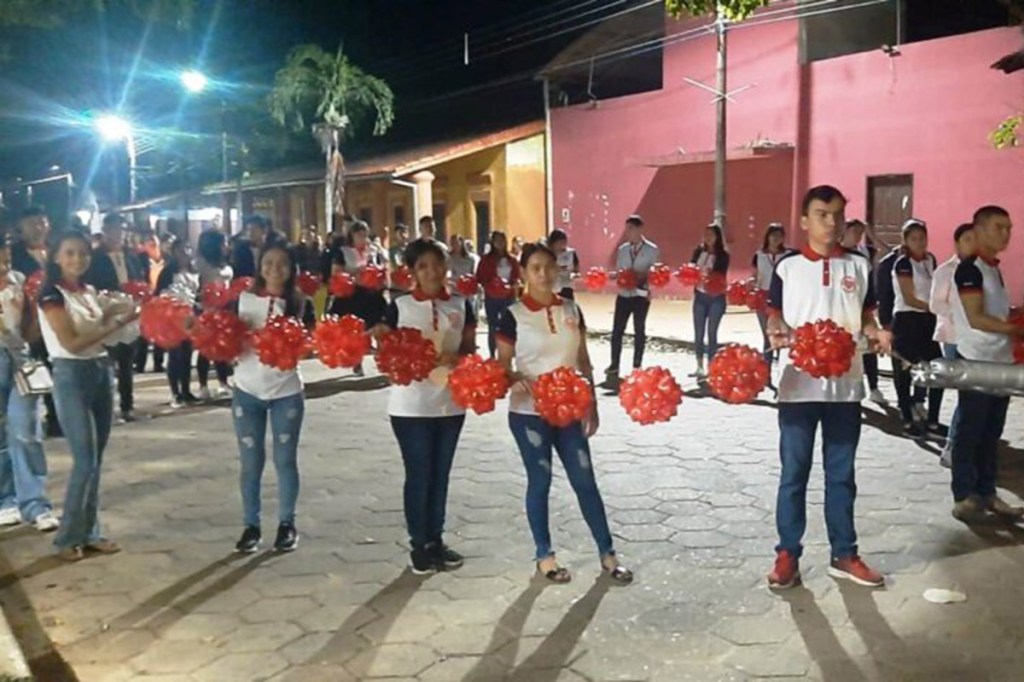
{"x":10,"y":516}
{"x":204,"y":393}
{"x":176,"y":404}
{"x":46,"y":522}
{"x":877,"y":397}
{"x":222,"y":391}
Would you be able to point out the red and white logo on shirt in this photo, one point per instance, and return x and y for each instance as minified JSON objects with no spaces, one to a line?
{"x":849,"y":284}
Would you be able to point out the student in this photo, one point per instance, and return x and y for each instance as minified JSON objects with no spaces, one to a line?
{"x":74,"y":325}
{"x":428,"y":230}
{"x":913,"y":325}
{"x":709,"y":301}
{"x":637,"y":254}
{"x":153,"y":260}
{"x":366,"y":304}
{"x":110,"y":269}
{"x":396,"y":253}
{"x":497,"y":263}
{"x":247,"y":245}
{"x":22,"y":460}
{"x":541,"y":333}
{"x":568,"y":263}
{"x":942,"y":296}
{"x":460,"y":261}
{"x":773,"y":247}
{"x":885,"y":291}
{"x":822,"y":281}
{"x":212,"y":268}
{"x":181,"y":281}
{"x":980,"y":312}
{"x":858,"y":236}
{"x":426,"y":422}
{"x":263,"y":394}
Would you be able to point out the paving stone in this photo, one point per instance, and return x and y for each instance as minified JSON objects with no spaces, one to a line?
{"x":174,"y":657}
{"x":392,"y":660}
{"x":242,"y":668}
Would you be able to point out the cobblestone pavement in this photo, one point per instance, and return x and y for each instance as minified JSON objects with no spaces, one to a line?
{"x":691,"y":507}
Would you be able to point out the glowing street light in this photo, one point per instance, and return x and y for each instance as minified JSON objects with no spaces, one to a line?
{"x":114,"y":128}
{"x":194,"y":81}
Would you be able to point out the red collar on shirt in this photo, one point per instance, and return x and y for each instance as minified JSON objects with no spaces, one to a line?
{"x":419,"y":295}
{"x":533,"y":305}
{"x":811,"y":254}
{"x":993,"y":261}
{"x":64,"y":284}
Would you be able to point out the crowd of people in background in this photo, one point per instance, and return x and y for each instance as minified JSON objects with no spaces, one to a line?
{"x":894,"y":299}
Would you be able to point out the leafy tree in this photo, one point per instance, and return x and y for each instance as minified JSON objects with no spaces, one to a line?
{"x":337,"y":96}
{"x":733,"y":9}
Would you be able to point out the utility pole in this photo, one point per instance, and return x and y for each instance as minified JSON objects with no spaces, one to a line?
{"x":722,"y":112}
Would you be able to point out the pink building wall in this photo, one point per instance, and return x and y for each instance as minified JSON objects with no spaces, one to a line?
{"x":927,"y":112}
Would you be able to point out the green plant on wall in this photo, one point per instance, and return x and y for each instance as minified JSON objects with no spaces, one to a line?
{"x":732,"y":9}
{"x":1005,"y":136}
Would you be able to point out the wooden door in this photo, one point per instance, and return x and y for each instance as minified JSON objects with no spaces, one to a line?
{"x":890,"y":204}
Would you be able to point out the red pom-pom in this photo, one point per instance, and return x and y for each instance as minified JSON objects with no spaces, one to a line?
{"x":823,"y":349}
{"x":498,"y":288}
{"x":342,"y":285}
{"x":308,"y":283}
{"x":626,"y":279}
{"x":689,"y":275}
{"x":757,"y":300}
{"x":373,"y":277}
{"x":562,"y":397}
{"x":714,"y":283}
{"x":341,"y":342}
{"x":33,"y":283}
{"x":402,"y":277}
{"x":660,"y":275}
{"x":281,"y":343}
{"x":736,"y":294}
{"x":405,"y":356}
{"x":241,"y":284}
{"x":596,"y":279}
{"x":476,"y":384}
{"x":218,"y":335}
{"x":467,"y":286}
{"x":162,"y":320}
{"x":737,"y":374}
{"x":1017,"y":318}
{"x":650,"y":395}
{"x":217,"y":295}
{"x":137,"y":290}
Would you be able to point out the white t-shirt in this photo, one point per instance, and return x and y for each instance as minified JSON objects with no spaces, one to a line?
{"x":808,"y":287}
{"x":251,"y":375}
{"x":568,"y":263}
{"x":82,"y":304}
{"x":462,"y":265}
{"x":12,"y":306}
{"x":977,"y":275}
{"x":545,"y":338}
{"x":764,"y":265}
{"x":639,"y":259}
{"x":920,"y":273}
{"x":941,"y":301}
{"x":442,"y":320}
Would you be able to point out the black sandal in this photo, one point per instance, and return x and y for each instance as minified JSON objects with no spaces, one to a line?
{"x":558,"y":575}
{"x":620,"y":575}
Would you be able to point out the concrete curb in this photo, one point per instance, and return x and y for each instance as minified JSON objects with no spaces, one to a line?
{"x":13,"y":666}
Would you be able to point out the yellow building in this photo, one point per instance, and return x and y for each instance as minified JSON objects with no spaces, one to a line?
{"x":471,"y":186}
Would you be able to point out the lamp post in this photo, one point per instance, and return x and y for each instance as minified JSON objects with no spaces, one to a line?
{"x":196,"y":82}
{"x":114,"y":128}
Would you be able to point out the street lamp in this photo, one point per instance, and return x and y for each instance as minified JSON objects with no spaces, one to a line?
{"x":194,"y":81}
{"x":114,"y":128}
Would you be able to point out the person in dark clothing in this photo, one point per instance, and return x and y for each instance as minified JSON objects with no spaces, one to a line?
{"x":111,"y":267}
{"x":309,"y":250}
{"x":28,"y":256}
{"x":152,"y":260}
{"x":333,"y":245}
{"x":257,"y":233}
{"x":180,"y":280}
{"x":885,"y":288}
{"x":366,"y":304}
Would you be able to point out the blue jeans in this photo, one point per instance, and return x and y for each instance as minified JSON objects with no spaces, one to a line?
{"x":84,"y":398}
{"x":535,"y":439}
{"x":840,"y":432}
{"x":979,"y":423}
{"x":251,"y":430}
{"x":493,"y":307}
{"x":707,"y":315}
{"x":22,"y":461}
{"x":428,"y":450}
{"x":949,"y":352}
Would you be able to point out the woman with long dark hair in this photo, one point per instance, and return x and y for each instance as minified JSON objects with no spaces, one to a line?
{"x":360,"y":252}
{"x":497,"y":264}
{"x":536,"y":335}
{"x":74,"y":324}
{"x":212,"y":267}
{"x":180,"y":280}
{"x":263,"y":394}
{"x":709,"y":296}
{"x":773,"y":247}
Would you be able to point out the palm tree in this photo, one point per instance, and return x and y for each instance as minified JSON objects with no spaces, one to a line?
{"x":338,"y":96}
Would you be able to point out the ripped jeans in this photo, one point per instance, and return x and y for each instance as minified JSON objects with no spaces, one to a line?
{"x":250,"y":417}
{"x":535,"y":439}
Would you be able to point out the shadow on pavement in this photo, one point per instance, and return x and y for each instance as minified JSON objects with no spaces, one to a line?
{"x":820,"y":639}
{"x":328,"y":387}
{"x":510,"y":624}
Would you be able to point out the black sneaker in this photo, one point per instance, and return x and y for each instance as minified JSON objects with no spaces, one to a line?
{"x":446,"y":557}
{"x":913,"y":430}
{"x":287,"y":538}
{"x":190,"y":399}
{"x":422,"y":561}
{"x":937,"y":429}
{"x":250,"y":540}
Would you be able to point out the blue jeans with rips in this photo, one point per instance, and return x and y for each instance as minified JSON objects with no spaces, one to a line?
{"x":22,"y":460}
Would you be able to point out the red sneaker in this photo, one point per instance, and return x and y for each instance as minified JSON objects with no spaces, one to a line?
{"x":786,"y":573}
{"x":854,"y":569}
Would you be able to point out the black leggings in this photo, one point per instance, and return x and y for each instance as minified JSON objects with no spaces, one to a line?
{"x":912,"y":338}
{"x":626,"y":307}
{"x":871,"y":369}
{"x":203,"y":371}
{"x":179,"y":370}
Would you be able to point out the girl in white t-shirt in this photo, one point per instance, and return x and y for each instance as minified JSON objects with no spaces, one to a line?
{"x":212,"y":267}
{"x":74,"y":323}
{"x":366,"y":304}
{"x":426,"y":422}
{"x":536,"y":335}
{"x":262,"y":394}
{"x":763,"y":264}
